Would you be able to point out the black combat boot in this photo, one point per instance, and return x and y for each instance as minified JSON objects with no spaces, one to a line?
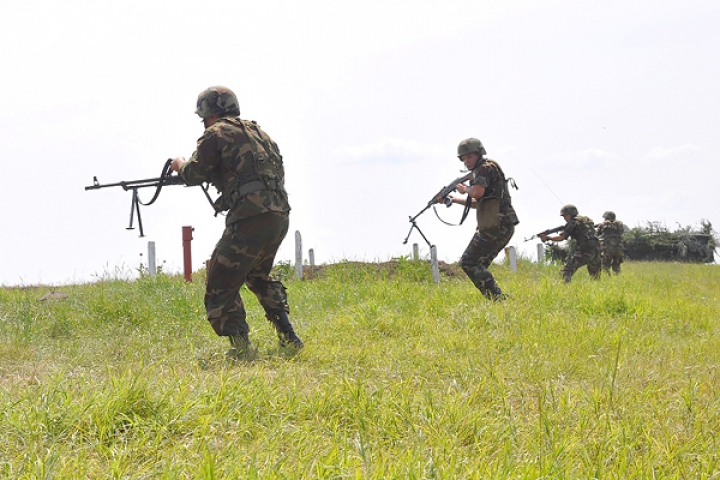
{"x":286,"y":333}
{"x":493,"y":292}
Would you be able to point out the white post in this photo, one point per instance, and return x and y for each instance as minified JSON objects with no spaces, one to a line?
{"x":311,"y":256}
{"x":513,"y":259}
{"x":434,"y":260}
{"x":416,"y":251}
{"x":152,"y":267}
{"x":298,"y":255}
{"x":541,"y":252}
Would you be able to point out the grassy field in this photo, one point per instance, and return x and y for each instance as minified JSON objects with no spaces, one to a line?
{"x":400,"y":378}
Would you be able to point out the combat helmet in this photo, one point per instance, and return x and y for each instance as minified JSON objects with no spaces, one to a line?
{"x":470,"y":145}
{"x":609,"y":216}
{"x":569,"y":210}
{"x":217,"y":100}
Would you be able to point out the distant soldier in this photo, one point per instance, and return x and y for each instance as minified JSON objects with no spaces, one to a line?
{"x":488,"y":193}
{"x":611,"y":243}
{"x":582,"y":230}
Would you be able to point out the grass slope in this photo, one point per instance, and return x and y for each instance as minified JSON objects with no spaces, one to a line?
{"x":400,"y":378}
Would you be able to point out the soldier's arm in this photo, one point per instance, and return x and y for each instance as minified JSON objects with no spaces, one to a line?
{"x":203,"y":164}
{"x":557,"y":238}
{"x":475,"y":191}
{"x":564,"y":235}
{"x":462,"y":200}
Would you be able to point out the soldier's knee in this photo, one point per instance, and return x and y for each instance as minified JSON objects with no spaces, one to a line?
{"x":468,"y":264}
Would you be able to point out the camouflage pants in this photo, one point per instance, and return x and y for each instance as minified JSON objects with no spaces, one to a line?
{"x":589,"y":255}
{"x":245,"y":255}
{"x":479,"y":254}
{"x":612,"y":257}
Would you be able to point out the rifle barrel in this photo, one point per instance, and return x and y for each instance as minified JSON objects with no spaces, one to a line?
{"x":148,"y":182}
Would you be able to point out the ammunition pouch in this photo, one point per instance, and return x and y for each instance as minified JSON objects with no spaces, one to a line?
{"x":488,"y":213}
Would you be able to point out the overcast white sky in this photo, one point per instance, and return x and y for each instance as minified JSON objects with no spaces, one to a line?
{"x":607,"y":105}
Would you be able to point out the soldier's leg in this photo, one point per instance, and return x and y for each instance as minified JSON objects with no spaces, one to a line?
{"x":479,"y":254}
{"x":269,"y":230}
{"x":605,"y":261}
{"x":271,"y":294}
{"x":572,"y":264}
{"x":617,"y":260}
{"x":226,"y":273}
{"x":594,"y":264}
{"x":262,"y":238}
{"x":568,"y":270}
{"x":502,"y":237}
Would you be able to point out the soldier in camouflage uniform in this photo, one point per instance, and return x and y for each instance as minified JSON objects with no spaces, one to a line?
{"x":246,"y":167}
{"x":489,"y":196}
{"x":611,"y":242}
{"x":582,"y":230}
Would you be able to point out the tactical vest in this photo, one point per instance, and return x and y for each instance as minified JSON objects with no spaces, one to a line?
{"x":612,"y":232}
{"x":496,"y":203}
{"x":263,"y":167}
{"x":585,"y":230}
{"x":500,"y":189}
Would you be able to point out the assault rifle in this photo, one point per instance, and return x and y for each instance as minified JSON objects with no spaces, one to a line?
{"x":443,"y":196}
{"x":546,"y":232}
{"x":165,"y":178}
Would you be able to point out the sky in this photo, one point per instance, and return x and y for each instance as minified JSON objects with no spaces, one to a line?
{"x":608,"y":105}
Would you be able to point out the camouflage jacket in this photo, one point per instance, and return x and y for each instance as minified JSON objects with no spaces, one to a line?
{"x":610,"y":233}
{"x":488,"y":174}
{"x":244,"y":164}
{"x":582,"y":230}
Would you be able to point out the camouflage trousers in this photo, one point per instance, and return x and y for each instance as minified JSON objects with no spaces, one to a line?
{"x":245,"y":255}
{"x":587,"y":254}
{"x":479,"y":254}
{"x":611,"y":257}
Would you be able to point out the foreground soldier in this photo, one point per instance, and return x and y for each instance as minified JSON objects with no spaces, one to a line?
{"x":610,"y":233}
{"x":582,"y":230}
{"x":496,"y":218}
{"x":245,"y":165}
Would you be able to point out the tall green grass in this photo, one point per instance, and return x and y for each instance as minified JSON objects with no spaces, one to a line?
{"x":400,"y":378}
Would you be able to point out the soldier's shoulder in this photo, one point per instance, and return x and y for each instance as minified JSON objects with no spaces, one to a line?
{"x":251,"y":123}
{"x":224,"y":123}
{"x":256,"y":126}
{"x":492,"y":163}
{"x":488,"y":167}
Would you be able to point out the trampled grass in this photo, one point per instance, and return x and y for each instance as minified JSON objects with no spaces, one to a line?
{"x":400,"y":378}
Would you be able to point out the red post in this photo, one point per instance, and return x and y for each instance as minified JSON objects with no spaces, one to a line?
{"x":187,"y":252}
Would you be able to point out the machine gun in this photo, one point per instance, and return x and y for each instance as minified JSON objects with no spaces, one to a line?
{"x":442,"y":196}
{"x":165,"y":178}
{"x":546,"y":232}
